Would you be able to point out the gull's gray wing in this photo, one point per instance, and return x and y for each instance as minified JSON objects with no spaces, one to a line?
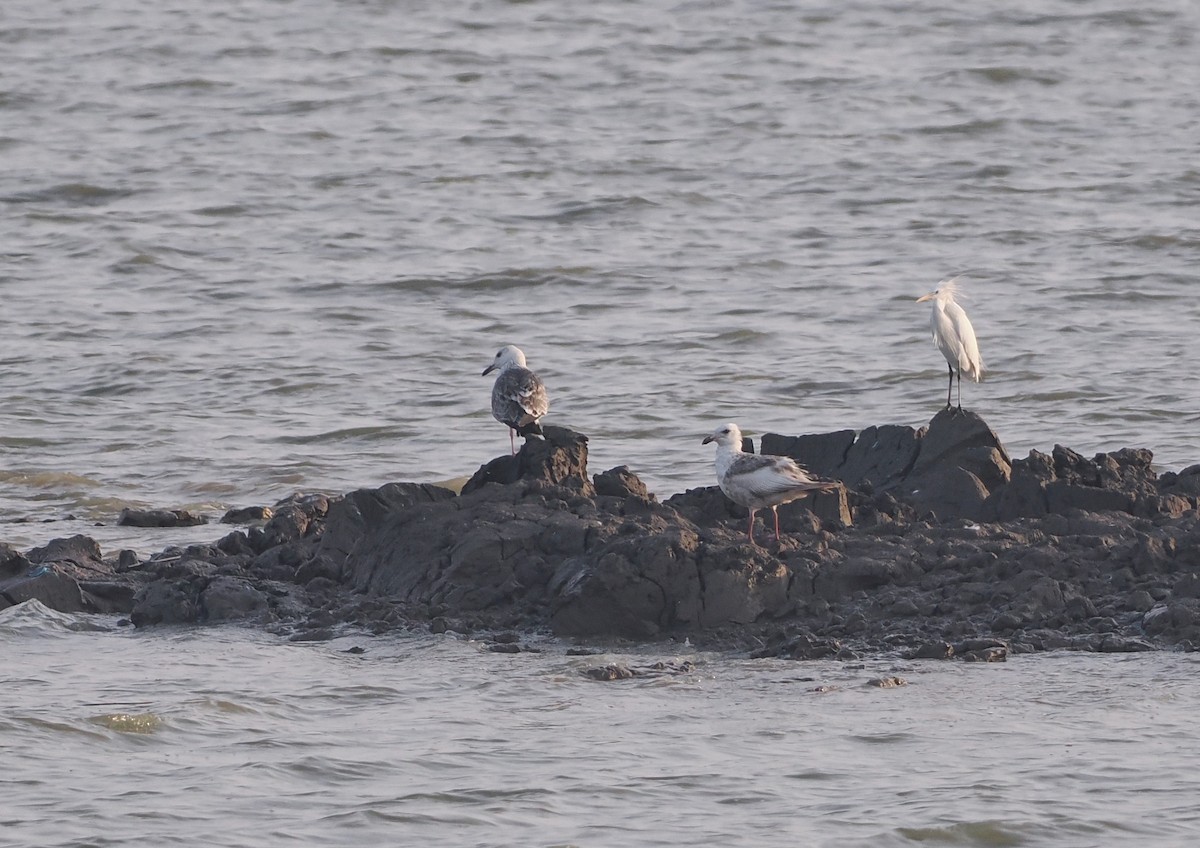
{"x":519,"y":398}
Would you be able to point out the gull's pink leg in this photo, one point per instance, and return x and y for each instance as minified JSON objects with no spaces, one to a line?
{"x":751,"y":528}
{"x":776,"y":511}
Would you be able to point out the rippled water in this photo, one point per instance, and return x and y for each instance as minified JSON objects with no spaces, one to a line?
{"x":224,"y":737}
{"x":259,"y":246}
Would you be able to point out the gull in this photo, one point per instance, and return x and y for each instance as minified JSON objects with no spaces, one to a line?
{"x":758,"y":480}
{"x":954,"y":336}
{"x":518,"y":396}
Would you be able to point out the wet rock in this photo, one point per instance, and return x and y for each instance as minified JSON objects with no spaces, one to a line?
{"x":932,"y":651}
{"x":609,"y":672}
{"x":636,"y":586}
{"x":68,"y":575}
{"x":799,"y":646}
{"x":877,"y":457}
{"x":230,"y":599}
{"x":962,"y":437}
{"x":159,"y":518}
{"x":620,"y":482}
{"x":236,"y":543}
{"x":247,"y":515}
{"x":1174,"y":618}
{"x":166,"y":602}
{"x":559,"y":458}
{"x":13,"y":563}
{"x":823,"y":454}
{"x":832,"y":509}
{"x":317,"y":634}
{"x":661,"y":668}
{"x":958,"y":463}
{"x":76,"y":549}
{"x":887,"y":682}
{"x":108,"y":596}
{"x":49,"y":585}
{"x":705,"y":506}
{"x":292,"y":519}
{"x":948,"y":469}
{"x":1186,"y":483}
{"x":1114,"y":644}
{"x":982,"y":650}
{"x":1062,"y":497}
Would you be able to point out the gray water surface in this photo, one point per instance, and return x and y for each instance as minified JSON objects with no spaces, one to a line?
{"x":254,"y":247}
{"x":224,"y":737}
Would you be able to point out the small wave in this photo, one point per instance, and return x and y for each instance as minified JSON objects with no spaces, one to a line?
{"x":977,"y":127}
{"x":23,"y":442}
{"x":984,"y":833}
{"x":293,"y":107}
{"x":49,"y":480}
{"x":741,"y":336}
{"x":296,"y":388}
{"x":574,"y":210}
{"x":77,"y":194}
{"x":1004,"y":75}
{"x":231,"y":211}
{"x":815,"y":775}
{"x":883,"y":738}
{"x":138,"y":263}
{"x":59,"y":728}
{"x":370,"y":434}
{"x":1159,"y":241}
{"x":33,"y":618}
{"x":497,"y":281}
{"x":194,"y":83}
{"x":115,"y":389}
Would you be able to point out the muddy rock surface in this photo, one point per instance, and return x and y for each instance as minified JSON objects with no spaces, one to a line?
{"x":938,"y":546}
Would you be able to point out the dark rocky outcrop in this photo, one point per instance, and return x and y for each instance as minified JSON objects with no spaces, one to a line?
{"x":159,"y":518}
{"x":939,"y":546}
{"x":947,"y":469}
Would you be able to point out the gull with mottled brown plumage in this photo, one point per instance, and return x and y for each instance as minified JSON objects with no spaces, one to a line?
{"x":519,"y":396}
{"x":758,"y":480}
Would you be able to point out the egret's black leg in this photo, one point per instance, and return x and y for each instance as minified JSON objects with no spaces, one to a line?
{"x":949,"y":386}
{"x":960,"y":391}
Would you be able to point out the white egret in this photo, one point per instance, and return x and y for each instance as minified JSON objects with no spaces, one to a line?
{"x":758,"y":480}
{"x":518,"y":397}
{"x":954,"y":336}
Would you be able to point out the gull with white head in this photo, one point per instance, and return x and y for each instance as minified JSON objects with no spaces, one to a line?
{"x":518,"y":396}
{"x":758,"y":480}
{"x":954,"y":336}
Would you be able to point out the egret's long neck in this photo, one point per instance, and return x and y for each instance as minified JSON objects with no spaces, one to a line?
{"x":727,"y":452}
{"x":935,"y":314}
